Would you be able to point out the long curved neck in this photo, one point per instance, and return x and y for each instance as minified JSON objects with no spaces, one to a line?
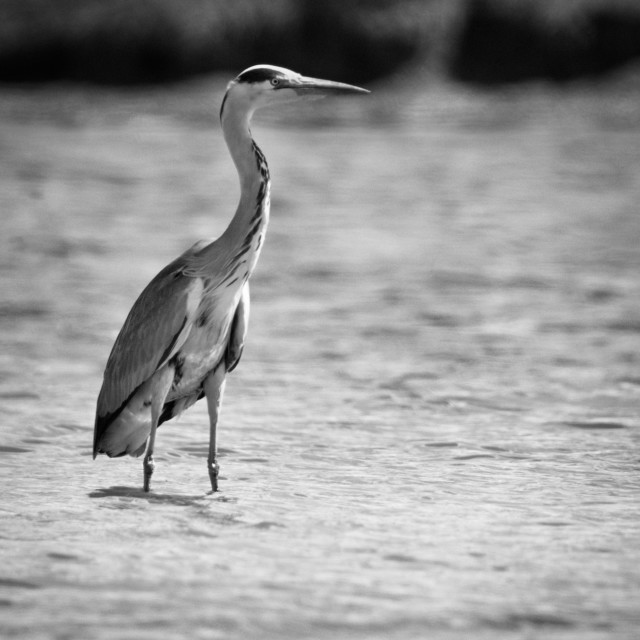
{"x":230,"y":260}
{"x":252,"y":213}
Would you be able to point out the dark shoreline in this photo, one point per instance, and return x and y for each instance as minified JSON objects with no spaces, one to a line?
{"x":485,"y":42}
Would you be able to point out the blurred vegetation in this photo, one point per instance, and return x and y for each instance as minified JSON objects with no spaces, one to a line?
{"x":559,"y":40}
{"x":150,"y":41}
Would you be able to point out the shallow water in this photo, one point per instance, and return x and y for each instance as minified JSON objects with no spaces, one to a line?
{"x":434,"y":429}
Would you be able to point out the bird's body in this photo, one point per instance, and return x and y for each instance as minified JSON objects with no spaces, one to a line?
{"x":204,"y":334}
{"x":187,"y":328}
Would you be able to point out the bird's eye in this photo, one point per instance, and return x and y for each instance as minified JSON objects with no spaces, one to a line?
{"x":275,"y":82}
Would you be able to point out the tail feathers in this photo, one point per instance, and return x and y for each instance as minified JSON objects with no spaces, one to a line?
{"x":127,"y":434}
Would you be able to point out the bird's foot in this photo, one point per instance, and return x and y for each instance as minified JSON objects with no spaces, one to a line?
{"x":213,"y":474}
{"x":149,"y":465}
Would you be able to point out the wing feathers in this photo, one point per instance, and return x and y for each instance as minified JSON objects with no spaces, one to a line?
{"x":156,"y":327}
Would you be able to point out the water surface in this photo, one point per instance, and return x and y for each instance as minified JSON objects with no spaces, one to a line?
{"x":434,"y":429}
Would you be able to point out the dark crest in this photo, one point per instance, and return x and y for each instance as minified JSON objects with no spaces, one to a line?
{"x":259,"y":74}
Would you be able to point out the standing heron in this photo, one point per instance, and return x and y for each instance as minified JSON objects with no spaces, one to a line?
{"x":187,"y":328}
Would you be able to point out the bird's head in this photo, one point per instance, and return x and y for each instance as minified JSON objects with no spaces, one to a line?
{"x":265,"y":84}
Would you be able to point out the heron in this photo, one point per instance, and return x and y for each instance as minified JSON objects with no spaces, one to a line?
{"x":187,"y":328}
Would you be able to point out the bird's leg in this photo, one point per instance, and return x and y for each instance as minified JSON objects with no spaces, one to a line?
{"x":148,"y":467}
{"x":159,"y":386}
{"x":213,"y":389}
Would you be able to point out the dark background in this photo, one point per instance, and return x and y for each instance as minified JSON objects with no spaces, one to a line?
{"x":479,"y":41}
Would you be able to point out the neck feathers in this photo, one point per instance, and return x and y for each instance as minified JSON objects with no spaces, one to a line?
{"x":252,"y":228}
{"x":261,"y":162}
{"x":242,"y":240}
{"x":230,"y":260}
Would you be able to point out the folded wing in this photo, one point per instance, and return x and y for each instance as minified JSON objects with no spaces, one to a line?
{"x":156,"y":327}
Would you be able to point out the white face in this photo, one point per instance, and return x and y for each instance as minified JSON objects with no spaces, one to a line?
{"x":264,"y":84}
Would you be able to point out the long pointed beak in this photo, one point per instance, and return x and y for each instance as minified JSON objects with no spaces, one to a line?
{"x":310,"y":86}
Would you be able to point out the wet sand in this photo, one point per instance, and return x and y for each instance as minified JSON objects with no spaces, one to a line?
{"x":434,"y":428}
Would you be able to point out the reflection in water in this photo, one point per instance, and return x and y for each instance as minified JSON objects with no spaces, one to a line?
{"x":435,"y":423}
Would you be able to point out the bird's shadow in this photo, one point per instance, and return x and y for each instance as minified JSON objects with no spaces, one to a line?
{"x":166,"y":498}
